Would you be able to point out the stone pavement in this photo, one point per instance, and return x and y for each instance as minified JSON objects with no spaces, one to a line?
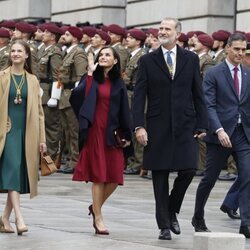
{"x":58,"y":218}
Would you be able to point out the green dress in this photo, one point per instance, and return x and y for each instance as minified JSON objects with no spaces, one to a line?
{"x":13,"y":167}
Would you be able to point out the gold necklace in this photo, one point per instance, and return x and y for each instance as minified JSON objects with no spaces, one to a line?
{"x":18,"y":99}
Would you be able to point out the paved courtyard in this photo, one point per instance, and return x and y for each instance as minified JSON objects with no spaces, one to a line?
{"x":58,"y":217}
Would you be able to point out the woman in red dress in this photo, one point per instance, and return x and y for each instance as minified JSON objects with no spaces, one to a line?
{"x":101,"y":105}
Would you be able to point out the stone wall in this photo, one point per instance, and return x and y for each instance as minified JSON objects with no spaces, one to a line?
{"x":206,"y":15}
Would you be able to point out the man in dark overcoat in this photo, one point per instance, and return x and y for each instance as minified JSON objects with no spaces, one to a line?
{"x":169,"y":78}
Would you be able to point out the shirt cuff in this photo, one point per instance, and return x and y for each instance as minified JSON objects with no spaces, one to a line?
{"x":218,"y":130}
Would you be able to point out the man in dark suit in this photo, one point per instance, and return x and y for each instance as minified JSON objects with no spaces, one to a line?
{"x":227,"y":96}
{"x":169,"y":78}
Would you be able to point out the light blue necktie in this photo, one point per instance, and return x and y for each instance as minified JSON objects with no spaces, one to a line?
{"x":169,"y":62}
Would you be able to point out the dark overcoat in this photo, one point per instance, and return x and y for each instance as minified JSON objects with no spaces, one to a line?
{"x":84,"y":107}
{"x":176,"y":110}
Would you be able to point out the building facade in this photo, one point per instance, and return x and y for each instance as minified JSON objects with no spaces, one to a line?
{"x":205,"y":15}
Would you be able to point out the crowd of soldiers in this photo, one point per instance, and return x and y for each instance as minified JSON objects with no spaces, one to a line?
{"x":59,"y":60}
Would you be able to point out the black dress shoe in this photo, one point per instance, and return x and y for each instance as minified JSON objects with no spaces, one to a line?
{"x":165,"y":234}
{"x":230,"y":212}
{"x":228,"y":177}
{"x":199,"y":225}
{"x":174,"y":224}
{"x":131,"y":171}
{"x":245,"y":230}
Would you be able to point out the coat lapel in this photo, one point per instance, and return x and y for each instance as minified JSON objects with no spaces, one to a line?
{"x":243,"y":83}
{"x":181,"y":60}
{"x":229,"y":78}
{"x":30,"y":91}
{"x":160,"y":61}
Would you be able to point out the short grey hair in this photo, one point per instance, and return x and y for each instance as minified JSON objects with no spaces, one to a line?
{"x":176,"y":21}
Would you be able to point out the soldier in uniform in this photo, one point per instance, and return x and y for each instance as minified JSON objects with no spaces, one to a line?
{"x":202,"y":46}
{"x":9,"y":25}
{"x":49,"y":63}
{"x":24,"y":31}
{"x":88,"y":33}
{"x":117,"y":33}
{"x":74,"y":65}
{"x":183,"y":41}
{"x":135,"y":40}
{"x":4,"y":48}
{"x":38,"y":38}
{"x":220,"y":41}
{"x":99,"y":40}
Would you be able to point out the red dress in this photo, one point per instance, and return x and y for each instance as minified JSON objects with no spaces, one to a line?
{"x":97,"y":161}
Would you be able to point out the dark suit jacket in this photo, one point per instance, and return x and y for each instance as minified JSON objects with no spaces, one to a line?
{"x":222,"y":102}
{"x":84,"y":108}
{"x":175,"y":110}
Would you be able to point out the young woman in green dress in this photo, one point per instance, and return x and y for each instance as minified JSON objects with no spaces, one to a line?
{"x":22,"y":136}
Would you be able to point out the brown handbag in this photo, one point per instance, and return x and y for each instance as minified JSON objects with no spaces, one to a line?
{"x":48,"y":167}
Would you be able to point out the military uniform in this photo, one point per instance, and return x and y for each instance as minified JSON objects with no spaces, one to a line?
{"x":73,"y":67}
{"x":4,"y":57}
{"x":34,"y":59}
{"x":205,"y":63}
{"x":49,"y":62}
{"x":123,"y":53}
{"x":220,"y":57}
{"x":134,"y":162}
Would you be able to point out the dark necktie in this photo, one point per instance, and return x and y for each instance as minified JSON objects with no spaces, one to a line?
{"x":170,"y":63}
{"x":236,"y":81}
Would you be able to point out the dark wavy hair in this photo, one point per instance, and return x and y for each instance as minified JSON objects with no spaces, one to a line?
{"x":114,"y":73}
{"x":27,"y":64}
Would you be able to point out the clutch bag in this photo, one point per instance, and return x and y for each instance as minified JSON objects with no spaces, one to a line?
{"x":119,"y":138}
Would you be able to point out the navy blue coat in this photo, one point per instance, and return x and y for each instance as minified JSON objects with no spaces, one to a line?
{"x":176,"y":110}
{"x":84,"y":108}
{"x":222,"y":102}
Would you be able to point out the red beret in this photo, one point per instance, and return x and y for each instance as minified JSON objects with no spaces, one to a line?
{"x":226,"y":31}
{"x":75,"y":31}
{"x":4,"y":33}
{"x":248,"y":37}
{"x":190,"y":34}
{"x":137,"y":34}
{"x":183,"y":38}
{"x":104,"y":28}
{"x":53,"y":28}
{"x":41,"y":27}
{"x":198,"y":32}
{"x":10,"y":24}
{"x":104,"y":36}
{"x":116,"y":29}
{"x":153,"y":32}
{"x":206,"y":40}
{"x":64,"y":28}
{"x":33,"y":27}
{"x":89,"y":31}
{"x":25,"y":27}
{"x":220,"y":36}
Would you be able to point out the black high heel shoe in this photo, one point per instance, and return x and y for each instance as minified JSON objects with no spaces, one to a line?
{"x":22,"y":230}
{"x":97,"y":230}
{"x":91,"y":211}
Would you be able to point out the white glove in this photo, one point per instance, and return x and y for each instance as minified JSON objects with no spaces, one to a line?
{"x":52,"y":103}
